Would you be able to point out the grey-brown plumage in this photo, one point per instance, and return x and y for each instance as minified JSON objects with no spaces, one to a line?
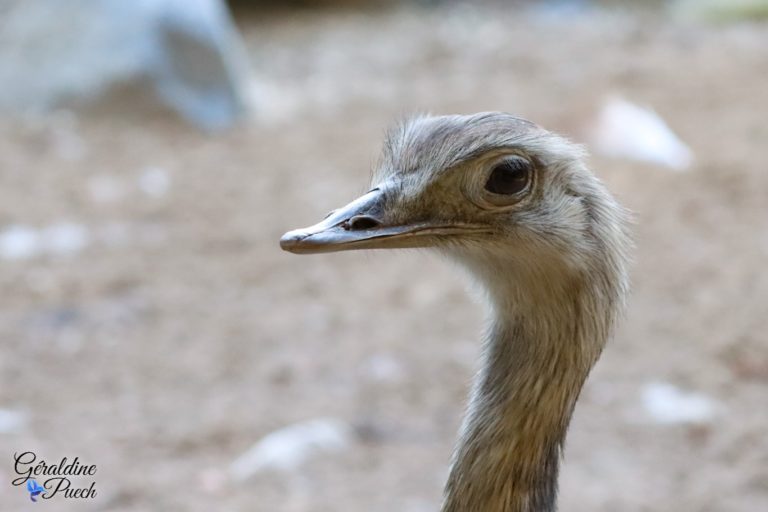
{"x":517,"y":206}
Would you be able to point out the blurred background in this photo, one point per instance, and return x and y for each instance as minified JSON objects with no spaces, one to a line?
{"x":153,"y":152}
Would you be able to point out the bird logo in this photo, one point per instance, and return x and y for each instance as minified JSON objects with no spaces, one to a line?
{"x":34,"y":489}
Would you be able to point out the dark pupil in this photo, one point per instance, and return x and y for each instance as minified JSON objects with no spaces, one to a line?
{"x":508,"y":178}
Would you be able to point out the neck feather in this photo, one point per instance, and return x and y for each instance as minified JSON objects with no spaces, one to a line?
{"x":539,"y":349}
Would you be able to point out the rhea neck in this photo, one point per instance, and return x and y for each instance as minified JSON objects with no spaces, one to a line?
{"x":542,"y":341}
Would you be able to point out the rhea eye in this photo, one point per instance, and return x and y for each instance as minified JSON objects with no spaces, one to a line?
{"x":509,"y":177}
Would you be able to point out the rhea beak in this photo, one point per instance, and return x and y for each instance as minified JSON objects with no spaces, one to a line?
{"x":361,"y":225}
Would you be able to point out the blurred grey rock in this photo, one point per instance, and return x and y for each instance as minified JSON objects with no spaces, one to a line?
{"x":187,"y":51}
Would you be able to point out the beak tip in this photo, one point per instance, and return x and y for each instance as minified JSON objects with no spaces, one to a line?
{"x":291,"y":241}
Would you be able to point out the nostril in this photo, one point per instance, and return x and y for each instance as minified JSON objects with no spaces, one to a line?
{"x":362,"y":222}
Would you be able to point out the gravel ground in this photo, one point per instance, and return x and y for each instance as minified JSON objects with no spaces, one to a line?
{"x":152,"y":326}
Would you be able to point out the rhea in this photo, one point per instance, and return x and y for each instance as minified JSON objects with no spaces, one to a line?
{"x":518,"y":207}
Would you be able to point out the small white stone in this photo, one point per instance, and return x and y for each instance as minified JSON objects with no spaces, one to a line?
{"x":154,"y":182}
{"x":19,"y":243}
{"x":12,"y":421}
{"x":65,"y":238}
{"x":288,"y":448}
{"x":625,"y":130}
{"x":667,"y":404}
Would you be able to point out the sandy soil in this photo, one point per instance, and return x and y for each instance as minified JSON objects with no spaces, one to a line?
{"x":181,"y":334}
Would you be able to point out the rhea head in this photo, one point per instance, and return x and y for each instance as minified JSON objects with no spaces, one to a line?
{"x":499,"y":193}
